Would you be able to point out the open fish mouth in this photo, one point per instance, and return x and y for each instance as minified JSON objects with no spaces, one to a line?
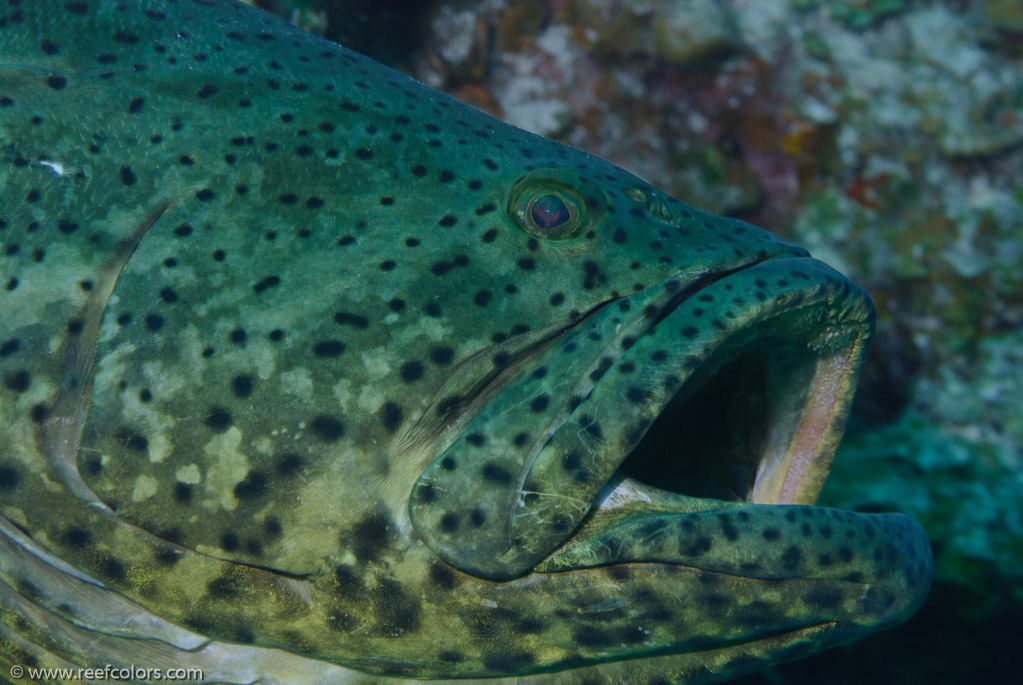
{"x":677,"y":409}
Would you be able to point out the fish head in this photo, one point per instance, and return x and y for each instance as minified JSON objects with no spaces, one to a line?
{"x":324,"y":365}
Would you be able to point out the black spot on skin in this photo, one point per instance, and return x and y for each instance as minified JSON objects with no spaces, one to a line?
{"x":327,"y":428}
{"x":204,"y":195}
{"x":218,"y":419}
{"x":442,"y":356}
{"x":699,"y":546}
{"x":482,"y":298}
{"x":127,"y":176}
{"x":229,"y":542}
{"x":727,"y":528}
{"x":272,"y":527}
{"x":496,"y":473}
{"x":133,"y":440}
{"x":369,"y":536}
{"x":289,"y":464}
{"x":442,"y":576}
{"x":111,"y":568}
{"x":450,"y":657}
{"x":771,"y":534}
{"x":476,"y":439}
{"x":207,"y":91}
{"x":539,"y":403}
{"x":251,"y":487}
{"x":182,"y":493}
{"x":635,"y":395}
{"x":77,"y":538}
{"x":9,"y":477}
{"x":19,"y":381}
{"x":242,"y":385}
{"x":396,"y":611}
{"x":447,"y":221}
{"x":238,"y":336}
{"x":489,"y":235}
{"x":56,"y":82}
{"x":223,"y":587}
{"x":791,"y":558}
{"x":136,"y":104}
{"x":348,"y":582}
{"x":448,"y":463}
{"x":390,"y":416}
{"x":508,"y":661}
{"x":349,"y":319}
{"x":268,"y":282}
{"x":411,"y":371}
{"x":825,"y":598}
{"x":10,"y":347}
{"x":328,"y":348}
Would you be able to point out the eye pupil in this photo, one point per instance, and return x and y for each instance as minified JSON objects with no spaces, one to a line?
{"x":549,"y":211}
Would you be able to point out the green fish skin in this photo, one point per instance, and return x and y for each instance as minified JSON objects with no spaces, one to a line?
{"x":311,"y":373}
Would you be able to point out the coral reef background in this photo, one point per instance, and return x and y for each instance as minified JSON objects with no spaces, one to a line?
{"x":884,"y":135}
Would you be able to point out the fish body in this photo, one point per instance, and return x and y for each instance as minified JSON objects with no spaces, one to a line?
{"x":312,"y":373}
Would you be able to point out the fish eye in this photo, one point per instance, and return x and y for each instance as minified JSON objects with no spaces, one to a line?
{"x":549,"y":211}
{"x":554,"y":204}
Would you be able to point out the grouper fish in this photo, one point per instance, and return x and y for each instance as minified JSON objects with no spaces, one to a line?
{"x":313,"y":374}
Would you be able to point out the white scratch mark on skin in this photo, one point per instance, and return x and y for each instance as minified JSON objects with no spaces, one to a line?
{"x":56,"y":167}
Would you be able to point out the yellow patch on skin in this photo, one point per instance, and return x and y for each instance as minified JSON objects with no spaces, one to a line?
{"x":227,"y":467}
{"x":55,"y":283}
{"x":343,"y":392}
{"x":167,"y":383}
{"x":159,"y":447}
{"x":145,"y":487}
{"x":188,"y":474}
{"x":297,"y":382}
{"x":434,"y":330}
{"x":370,"y":398}
{"x":375,"y":361}
{"x":110,"y":368}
